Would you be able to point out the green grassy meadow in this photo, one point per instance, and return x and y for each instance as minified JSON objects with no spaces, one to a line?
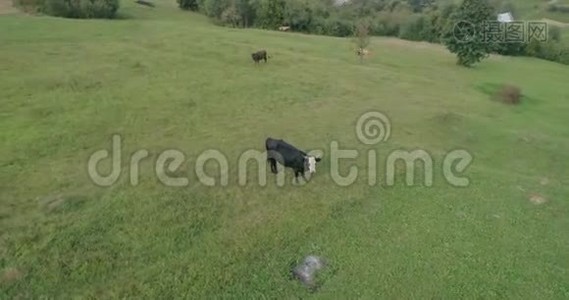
{"x":167,"y":79}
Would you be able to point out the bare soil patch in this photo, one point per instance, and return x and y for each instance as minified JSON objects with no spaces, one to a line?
{"x":10,"y":275}
{"x":537,"y":199}
{"x":6,"y":7}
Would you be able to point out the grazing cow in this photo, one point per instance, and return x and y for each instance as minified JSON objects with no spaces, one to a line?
{"x":284,"y":28}
{"x":290,"y":157}
{"x":259,"y":55}
{"x":362,"y":52}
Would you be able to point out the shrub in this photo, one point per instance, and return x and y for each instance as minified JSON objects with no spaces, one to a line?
{"x":509,"y":94}
{"x":339,"y":28}
{"x":29,"y":6}
{"x":511,"y":49}
{"x":417,"y":28}
{"x":552,"y":51}
{"x":554,"y":32}
{"x":411,"y":29}
{"x":213,"y":8}
{"x":188,"y":4}
{"x":390,"y":23}
{"x":318,"y":26}
{"x":82,"y":9}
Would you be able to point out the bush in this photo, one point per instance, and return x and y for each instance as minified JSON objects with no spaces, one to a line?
{"x":339,"y":28}
{"x":82,"y":9}
{"x":29,"y":6}
{"x":552,"y":51}
{"x":511,"y":49}
{"x":188,"y":4}
{"x":419,"y":28}
{"x":390,"y":23}
{"x":411,"y":30}
{"x":509,"y":94}
{"x":554,"y":33}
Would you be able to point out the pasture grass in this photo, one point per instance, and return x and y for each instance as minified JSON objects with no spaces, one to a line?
{"x":166,"y":79}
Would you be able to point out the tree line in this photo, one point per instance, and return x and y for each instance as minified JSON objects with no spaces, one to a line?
{"x":416,"y":20}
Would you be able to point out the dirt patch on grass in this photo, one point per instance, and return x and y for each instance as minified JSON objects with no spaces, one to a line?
{"x":11,"y":275}
{"x":505,"y":93}
{"x":537,"y":199}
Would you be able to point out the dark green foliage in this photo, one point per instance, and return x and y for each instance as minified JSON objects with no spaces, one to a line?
{"x":213,"y":8}
{"x":270,"y":13}
{"x":76,"y":9}
{"x":30,"y":6}
{"x":512,"y":49}
{"x":554,"y":33}
{"x":339,"y":27}
{"x":246,"y":12}
{"x":188,"y":4}
{"x":550,"y":50}
{"x":419,"y":28}
{"x":82,"y":9}
{"x":298,"y":15}
{"x":464,"y":34}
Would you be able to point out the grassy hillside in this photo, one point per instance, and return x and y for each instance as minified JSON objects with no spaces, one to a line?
{"x":165,"y":79}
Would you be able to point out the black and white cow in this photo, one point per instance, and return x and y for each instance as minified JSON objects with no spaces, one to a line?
{"x":260,"y":55}
{"x":290,"y":157}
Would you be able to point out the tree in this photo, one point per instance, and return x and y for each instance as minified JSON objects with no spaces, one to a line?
{"x":298,"y":15}
{"x":246,"y":12}
{"x":231,"y":15}
{"x":269,"y":13}
{"x":361,"y":38}
{"x":464,"y":33}
{"x":188,"y":5}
